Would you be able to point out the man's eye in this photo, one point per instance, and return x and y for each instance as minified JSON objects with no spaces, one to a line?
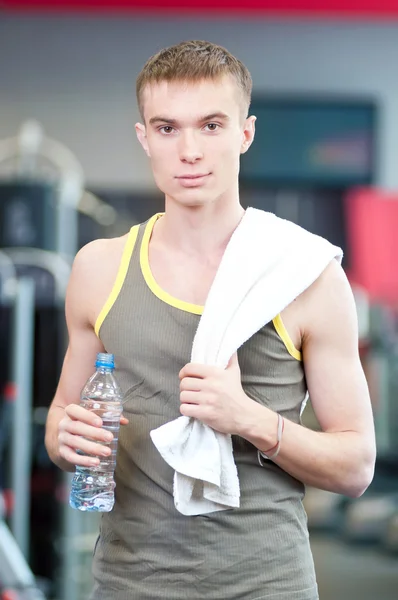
{"x":166,"y":129}
{"x":212,"y":126}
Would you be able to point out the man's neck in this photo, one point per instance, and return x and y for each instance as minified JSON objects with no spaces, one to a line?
{"x":203,"y":230}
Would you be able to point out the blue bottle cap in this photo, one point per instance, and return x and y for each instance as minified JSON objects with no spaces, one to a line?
{"x":105,"y":360}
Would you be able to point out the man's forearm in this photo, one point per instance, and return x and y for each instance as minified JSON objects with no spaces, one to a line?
{"x":341,"y":462}
{"x":55,"y":414}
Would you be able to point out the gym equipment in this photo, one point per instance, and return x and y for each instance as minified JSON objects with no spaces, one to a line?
{"x":41,"y":185}
{"x":16,"y":578}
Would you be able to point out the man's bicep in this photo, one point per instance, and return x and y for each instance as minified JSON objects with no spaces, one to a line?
{"x":77,"y":367}
{"x":83,"y":344}
{"x":336,"y":382}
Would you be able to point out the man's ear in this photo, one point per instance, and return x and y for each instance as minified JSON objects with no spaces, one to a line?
{"x":141,"y":135}
{"x":248,"y":133}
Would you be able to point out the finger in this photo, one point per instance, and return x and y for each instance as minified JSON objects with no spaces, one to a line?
{"x":78,"y":413}
{"x":123,"y":420}
{"x":87,"y":431}
{"x":192,"y":384}
{"x":76,"y":442}
{"x":190,"y":398}
{"x":197,"y":370}
{"x":192,"y":410}
{"x":78,"y":460}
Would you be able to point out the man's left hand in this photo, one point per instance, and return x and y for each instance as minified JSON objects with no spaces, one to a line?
{"x":215,"y":396}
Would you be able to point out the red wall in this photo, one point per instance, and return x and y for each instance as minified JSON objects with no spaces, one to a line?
{"x":371,"y":9}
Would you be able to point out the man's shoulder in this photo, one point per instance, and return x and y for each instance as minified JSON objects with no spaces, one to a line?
{"x":101,"y":249}
{"x":328,"y":302}
{"x":93,"y":274}
{"x":97,"y":263}
{"x":331,"y":280}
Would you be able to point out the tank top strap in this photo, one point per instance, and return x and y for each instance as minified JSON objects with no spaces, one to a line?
{"x":134,"y":239}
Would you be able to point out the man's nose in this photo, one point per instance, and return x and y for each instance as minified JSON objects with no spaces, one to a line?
{"x":190,"y":150}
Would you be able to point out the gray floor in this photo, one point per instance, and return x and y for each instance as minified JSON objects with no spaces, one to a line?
{"x":347,"y":572}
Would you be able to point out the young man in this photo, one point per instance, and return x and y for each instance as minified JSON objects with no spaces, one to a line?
{"x":140,"y":297}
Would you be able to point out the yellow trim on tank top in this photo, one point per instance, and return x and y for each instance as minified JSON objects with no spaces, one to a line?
{"x":195,"y":308}
{"x":150,"y":280}
{"x":161,"y":294}
{"x":120,"y":277}
{"x":285,"y":337}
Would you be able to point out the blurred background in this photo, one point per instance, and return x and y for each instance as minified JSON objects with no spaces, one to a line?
{"x":71,"y":170}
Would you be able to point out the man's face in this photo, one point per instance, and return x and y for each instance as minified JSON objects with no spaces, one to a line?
{"x":194,"y":134}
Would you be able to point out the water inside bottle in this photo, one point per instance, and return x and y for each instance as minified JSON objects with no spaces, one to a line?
{"x":93,"y":487}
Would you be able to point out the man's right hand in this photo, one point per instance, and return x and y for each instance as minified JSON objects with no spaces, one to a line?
{"x":80,"y":430}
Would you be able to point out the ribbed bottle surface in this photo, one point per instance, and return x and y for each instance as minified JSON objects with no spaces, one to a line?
{"x":93,"y":487}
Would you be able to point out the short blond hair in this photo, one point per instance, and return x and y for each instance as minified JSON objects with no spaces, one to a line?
{"x":193,"y":61}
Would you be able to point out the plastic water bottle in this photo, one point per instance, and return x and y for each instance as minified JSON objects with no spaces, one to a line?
{"x":93,"y":487}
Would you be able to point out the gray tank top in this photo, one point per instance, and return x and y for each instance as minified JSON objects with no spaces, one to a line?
{"x":146,"y":549}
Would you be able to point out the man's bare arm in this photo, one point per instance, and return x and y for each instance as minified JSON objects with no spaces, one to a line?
{"x":341,"y":457}
{"x":67,"y":422}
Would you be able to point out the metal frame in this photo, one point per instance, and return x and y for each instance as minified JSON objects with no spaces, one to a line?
{"x":21,"y":434}
{"x":15,"y":575}
{"x":58,"y":266}
{"x":8,"y":279}
{"x":26,"y":148}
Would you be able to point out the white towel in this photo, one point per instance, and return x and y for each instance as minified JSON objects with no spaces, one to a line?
{"x":268,"y":262}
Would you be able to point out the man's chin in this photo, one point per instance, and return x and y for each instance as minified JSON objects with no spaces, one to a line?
{"x":192,"y":199}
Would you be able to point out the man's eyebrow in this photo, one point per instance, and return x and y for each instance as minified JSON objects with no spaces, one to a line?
{"x":216,"y":115}
{"x":161,"y":119}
